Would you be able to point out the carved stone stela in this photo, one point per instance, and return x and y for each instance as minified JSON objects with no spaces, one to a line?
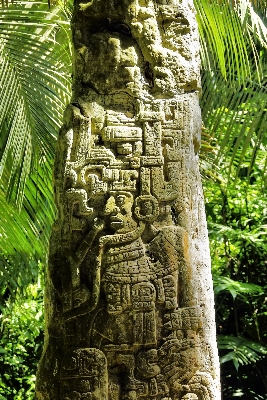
{"x":129,"y":307}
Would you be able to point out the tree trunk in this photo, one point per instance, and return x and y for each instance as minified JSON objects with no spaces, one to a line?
{"x":129,"y":299}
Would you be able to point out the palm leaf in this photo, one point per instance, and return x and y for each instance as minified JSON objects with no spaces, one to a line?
{"x":233,"y":43}
{"x":223,"y":44}
{"x":35,"y":86}
{"x":235,"y":120}
{"x":35,"y":69}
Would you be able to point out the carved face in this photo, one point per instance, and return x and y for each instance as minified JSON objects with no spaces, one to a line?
{"x":146,"y":207}
{"x":119,"y":208}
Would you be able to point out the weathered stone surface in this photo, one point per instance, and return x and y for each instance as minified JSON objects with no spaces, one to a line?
{"x":129,"y":303}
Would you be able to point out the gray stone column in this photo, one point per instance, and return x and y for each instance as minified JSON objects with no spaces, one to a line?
{"x":129,"y":299}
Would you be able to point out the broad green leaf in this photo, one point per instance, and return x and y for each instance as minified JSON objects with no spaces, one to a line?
{"x":223,"y":283}
{"x":242,"y":352}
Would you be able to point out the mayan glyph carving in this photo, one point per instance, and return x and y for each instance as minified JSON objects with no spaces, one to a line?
{"x":129,"y":295}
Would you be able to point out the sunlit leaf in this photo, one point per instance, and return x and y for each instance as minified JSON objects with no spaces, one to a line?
{"x":242,"y":352}
{"x":223,"y":283}
{"x":34,"y":89}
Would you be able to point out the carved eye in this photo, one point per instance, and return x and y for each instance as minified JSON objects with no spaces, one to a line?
{"x":119,"y":27}
{"x":120,"y":200}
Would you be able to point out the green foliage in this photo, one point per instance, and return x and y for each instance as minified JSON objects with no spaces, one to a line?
{"x":235,"y":288}
{"x":35,"y":68}
{"x":237,"y":213}
{"x":34,"y":88}
{"x":234,"y":162}
{"x":234,"y":98}
{"x":222,"y":39}
{"x":35,"y":65}
{"x":242,"y":352}
{"x":21,"y":336}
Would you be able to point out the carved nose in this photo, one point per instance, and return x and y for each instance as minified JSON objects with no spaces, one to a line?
{"x":111,"y":206}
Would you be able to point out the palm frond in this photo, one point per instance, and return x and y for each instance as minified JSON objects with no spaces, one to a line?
{"x":35,"y":86}
{"x":235,"y":119}
{"x":223,"y":44}
{"x":252,"y":15}
{"x":35,"y":82}
{"x":234,"y":99}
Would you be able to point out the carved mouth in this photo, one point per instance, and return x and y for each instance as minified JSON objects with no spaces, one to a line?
{"x":116,"y":222}
{"x":113,"y":218}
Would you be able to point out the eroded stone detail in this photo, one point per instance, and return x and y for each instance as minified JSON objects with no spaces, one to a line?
{"x":130,"y":312}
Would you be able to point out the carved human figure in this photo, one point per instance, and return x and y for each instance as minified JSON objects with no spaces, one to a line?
{"x":130,"y":295}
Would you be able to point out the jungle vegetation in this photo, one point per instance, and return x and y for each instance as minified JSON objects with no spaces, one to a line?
{"x":35,"y":86}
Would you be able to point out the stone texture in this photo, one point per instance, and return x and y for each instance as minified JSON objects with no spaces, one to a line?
{"x":129,"y":300}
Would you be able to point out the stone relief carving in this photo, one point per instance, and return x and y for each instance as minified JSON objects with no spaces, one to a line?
{"x":125,"y":262}
{"x":129,"y":263}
